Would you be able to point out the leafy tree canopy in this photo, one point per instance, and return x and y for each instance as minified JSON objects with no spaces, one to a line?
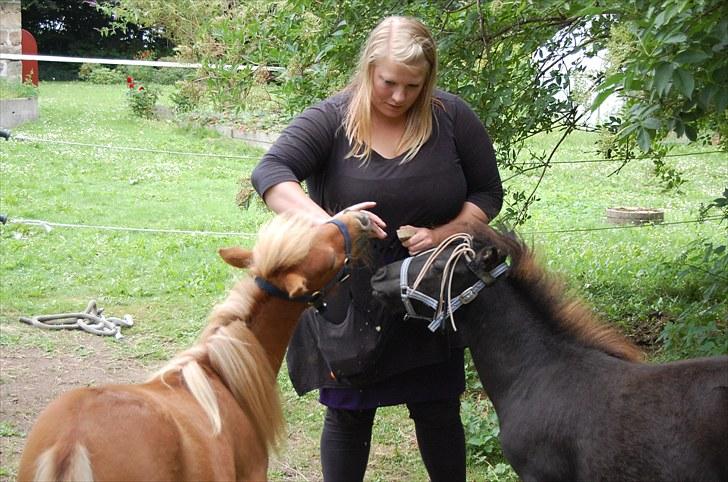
{"x":521,"y":64}
{"x":75,"y":29}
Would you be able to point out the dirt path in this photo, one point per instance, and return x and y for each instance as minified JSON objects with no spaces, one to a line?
{"x":37,"y":365}
{"x":31,"y":376}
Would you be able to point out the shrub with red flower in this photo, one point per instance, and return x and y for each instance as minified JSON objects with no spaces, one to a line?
{"x":141,"y":101}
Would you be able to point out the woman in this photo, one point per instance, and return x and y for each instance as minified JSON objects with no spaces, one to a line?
{"x":411,"y":156}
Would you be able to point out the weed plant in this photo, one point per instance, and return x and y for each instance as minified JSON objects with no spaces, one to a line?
{"x":648,"y":280}
{"x":16,"y":90}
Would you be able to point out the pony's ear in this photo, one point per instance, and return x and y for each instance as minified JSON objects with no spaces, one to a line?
{"x":236,"y":256}
{"x":488,"y":257}
{"x":295,"y":284}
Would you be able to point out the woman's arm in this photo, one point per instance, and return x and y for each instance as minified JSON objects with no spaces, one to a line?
{"x":289,"y":196}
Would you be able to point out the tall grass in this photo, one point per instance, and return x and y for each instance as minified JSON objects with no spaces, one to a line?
{"x":168,"y":282}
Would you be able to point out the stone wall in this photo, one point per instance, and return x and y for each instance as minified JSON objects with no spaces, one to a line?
{"x":10,"y":39}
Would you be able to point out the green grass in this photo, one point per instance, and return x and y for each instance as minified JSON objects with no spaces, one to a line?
{"x":7,"y":430}
{"x":633,"y":276}
{"x":169,"y":282}
{"x":16,"y":90}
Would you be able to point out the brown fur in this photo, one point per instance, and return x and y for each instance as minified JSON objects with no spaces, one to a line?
{"x":213,"y":412}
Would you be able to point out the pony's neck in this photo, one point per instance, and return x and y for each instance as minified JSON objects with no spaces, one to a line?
{"x":510,"y":342}
{"x":272,"y":322}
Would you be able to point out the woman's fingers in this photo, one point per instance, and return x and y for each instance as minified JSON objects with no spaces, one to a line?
{"x":361,"y":206}
{"x":420,"y":239}
{"x":378,"y":224}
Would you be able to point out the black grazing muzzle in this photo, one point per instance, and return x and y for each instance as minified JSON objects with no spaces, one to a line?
{"x":316,"y":299}
{"x":456,"y":268}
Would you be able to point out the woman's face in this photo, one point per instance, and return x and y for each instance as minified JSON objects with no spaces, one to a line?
{"x":395,"y":87}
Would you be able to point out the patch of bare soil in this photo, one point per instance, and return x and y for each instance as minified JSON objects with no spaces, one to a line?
{"x":30,"y":377}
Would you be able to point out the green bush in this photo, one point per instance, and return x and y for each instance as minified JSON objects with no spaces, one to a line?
{"x":481,"y":438}
{"x":701,"y":328}
{"x":97,"y":74}
{"x":186,"y":96}
{"x":159,"y":75}
{"x":141,"y":100}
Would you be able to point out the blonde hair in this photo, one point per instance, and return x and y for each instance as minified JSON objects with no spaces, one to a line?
{"x":404,"y":40}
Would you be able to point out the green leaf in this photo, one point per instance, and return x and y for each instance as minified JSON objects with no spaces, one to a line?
{"x":607,"y":88}
{"x":644,"y":139}
{"x":705,"y":96}
{"x":684,"y":82}
{"x":651,"y":123}
{"x":721,"y":100}
{"x":691,"y":56}
{"x":679,"y":127}
{"x":675,"y":38}
{"x":663,"y":75}
{"x":691,"y":132}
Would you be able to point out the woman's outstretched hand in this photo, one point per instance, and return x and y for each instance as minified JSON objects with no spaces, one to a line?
{"x":378,"y":225}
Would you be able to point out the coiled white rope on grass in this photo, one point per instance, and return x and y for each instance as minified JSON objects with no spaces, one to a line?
{"x":90,"y":320}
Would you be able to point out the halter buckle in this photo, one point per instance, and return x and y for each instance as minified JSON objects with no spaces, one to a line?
{"x":468,"y":295}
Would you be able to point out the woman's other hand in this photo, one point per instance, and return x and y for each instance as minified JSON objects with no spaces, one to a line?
{"x":420,"y":239}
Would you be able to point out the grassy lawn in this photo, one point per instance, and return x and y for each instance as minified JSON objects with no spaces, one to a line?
{"x":169,"y":281}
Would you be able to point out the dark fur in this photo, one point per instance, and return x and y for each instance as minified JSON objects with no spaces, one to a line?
{"x":573,"y":399}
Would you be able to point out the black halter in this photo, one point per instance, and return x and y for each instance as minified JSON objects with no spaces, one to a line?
{"x":315,"y":299}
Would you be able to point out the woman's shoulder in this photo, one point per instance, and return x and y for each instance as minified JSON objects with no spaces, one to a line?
{"x":333,"y":105}
{"x":325,"y":114}
{"x":449,"y":102}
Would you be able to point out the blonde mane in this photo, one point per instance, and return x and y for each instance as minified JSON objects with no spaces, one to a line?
{"x":282,"y":243}
{"x":568,"y":314}
{"x":231,"y":350}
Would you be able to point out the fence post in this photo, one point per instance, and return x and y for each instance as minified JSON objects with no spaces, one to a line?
{"x":10,"y":39}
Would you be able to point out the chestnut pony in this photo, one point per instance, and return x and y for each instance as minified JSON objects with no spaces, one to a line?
{"x":574,"y":401}
{"x":212,"y":412}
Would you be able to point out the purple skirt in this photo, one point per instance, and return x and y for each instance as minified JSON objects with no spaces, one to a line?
{"x":422,"y":384}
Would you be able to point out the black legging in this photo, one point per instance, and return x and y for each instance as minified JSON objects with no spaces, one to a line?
{"x":346,"y":439}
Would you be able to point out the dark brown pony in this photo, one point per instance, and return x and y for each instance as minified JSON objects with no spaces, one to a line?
{"x":213,"y":412}
{"x":574,"y":400}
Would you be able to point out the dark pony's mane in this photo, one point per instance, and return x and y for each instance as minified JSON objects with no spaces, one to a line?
{"x":567,"y":314}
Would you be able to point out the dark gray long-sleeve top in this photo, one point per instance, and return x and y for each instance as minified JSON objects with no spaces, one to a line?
{"x":455,"y":165}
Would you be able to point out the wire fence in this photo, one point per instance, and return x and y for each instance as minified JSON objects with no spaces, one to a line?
{"x":130,"y":148}
{"x":26,"y":138}
{"x":49,"y":225}
{"x":140,"y":63}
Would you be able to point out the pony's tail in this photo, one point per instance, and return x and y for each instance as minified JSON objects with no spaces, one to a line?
{"x":64,"y":463}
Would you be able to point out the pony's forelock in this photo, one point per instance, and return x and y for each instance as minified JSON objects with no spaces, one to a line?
{"x":283,"y":242}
